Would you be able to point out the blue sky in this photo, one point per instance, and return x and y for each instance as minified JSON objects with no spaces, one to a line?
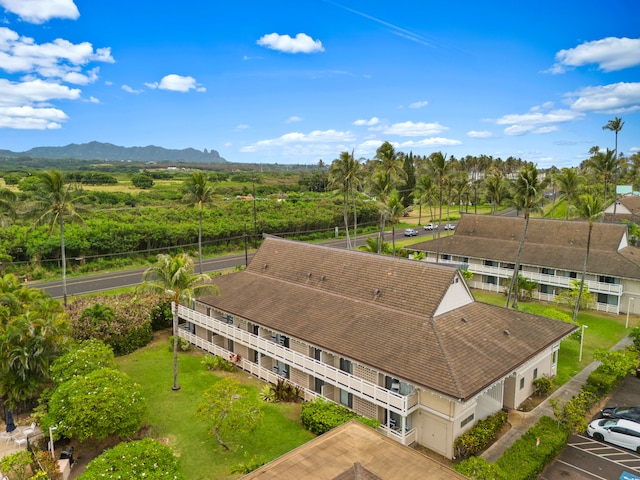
{"x":298,"y":81}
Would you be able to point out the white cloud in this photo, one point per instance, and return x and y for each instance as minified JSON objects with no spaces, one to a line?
{"x":411,"y":129}
{"x":479,"y":134}
{"x":418,"y":104}
{"x":176,"y":83}
{"x":128,"y":89}
{"x":15,"y":94}
{"x":315,"y":137}
{"x":431,"y":142}
{"x":302,"y":43}
{"x":31,"y":118}
{"x":294,"y":119}
{"x":614,"y":98}
{"x":537,"y":120}
{"x":372,"y":121}
{"x":242,"y":126}
{"x":609,"y":54}
{"x":58,"y":59}
{"x":39,"y":11}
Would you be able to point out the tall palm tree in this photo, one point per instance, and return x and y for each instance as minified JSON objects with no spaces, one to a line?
{"x":173,"y":276}
{"x":528,"y":197}
{"x":605,"y":164}
{"x":424,"y":185}
{"x":197,"y":192}
{"x":344,"y":174}
{"x":395,"y":209}
{"x":589,"y":209}
{"x":495,"y":184}
{"x":614,"y":125}
{"x":55,"y":204}
{"x":380,"y":185}
{"x":439,"y":168}
{"x":569,"y":181}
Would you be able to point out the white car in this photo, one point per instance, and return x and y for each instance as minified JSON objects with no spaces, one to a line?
{"x":617,"y":431}
{"x":410,"y":232}
{"x":449,"y":226}
{"x":431,"y":226}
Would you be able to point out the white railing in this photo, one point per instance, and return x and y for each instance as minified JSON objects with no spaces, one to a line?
{"x":376,"y":394}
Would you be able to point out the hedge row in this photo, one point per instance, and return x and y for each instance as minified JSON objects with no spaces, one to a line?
{"x":320,"y":416}
{"x":480,"y":436}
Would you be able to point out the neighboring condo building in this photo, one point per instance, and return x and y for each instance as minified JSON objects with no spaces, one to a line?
{"x":553,"y":256}
{"x":394,"y":339}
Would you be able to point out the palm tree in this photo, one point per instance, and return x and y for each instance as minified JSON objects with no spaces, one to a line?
{"x":197,"y":192}
{"x":394,"y":210}
{"x":528,"y":197}
{"x":55,"y":204}
{"x":381,"y":188}
{"x":614,"y":125}
{"x":496,"y":187}
{"x":569,"y":181}
{"x":173,"y":276}
{"x":344,"y":174}
{"x":424,"y":185}
{"x":589,"y":209}
{"x":606,"y":165}
{"x":439,"y":167}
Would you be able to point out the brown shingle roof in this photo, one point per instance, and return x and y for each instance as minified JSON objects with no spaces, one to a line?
{"x":395,"y":331}
{"x":555,"y":244}
{"x":349,"y":450}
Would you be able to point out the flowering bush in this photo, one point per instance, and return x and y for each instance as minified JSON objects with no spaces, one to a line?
{"x":86,"y":357}
{"x":145,"y":458}
{"x":122,"y":321}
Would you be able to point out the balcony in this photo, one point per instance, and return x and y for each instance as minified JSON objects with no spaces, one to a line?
{"x":376,"y":394}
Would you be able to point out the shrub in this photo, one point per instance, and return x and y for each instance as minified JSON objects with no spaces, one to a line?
{"x":282,"y":391}
{"x":478,"y":468}
{"x":161,"y":316}
{"x":183,"y":344}
{"x":122,"y":321}
{"x":267,"y":394}
{"x":214,"y":362}
{"x":480,"y":436}
{"x":524,"y":460}
{"x":84,"y":358}
{"x":320,"y":416}
{"x":146,"y":458}
{"x":542,"y":386}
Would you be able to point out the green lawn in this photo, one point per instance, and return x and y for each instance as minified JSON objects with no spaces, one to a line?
{"x":171,"y":414}
{"x":602,"y":332}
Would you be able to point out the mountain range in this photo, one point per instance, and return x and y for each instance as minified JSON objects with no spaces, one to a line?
{"x":109,"y":152}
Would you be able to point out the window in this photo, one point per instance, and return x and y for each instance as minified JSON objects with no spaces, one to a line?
{"x":346,"y":399}
{"x":605,"y":279}
{"x":548,"y":271}
{"x":346,"y":365}
{"x":491,"y":280}
{"x":230,"y":345}
{"x":490,"y":263}
{"x":467,"y":420}
{"x":318,"y":385}
{"x":317,"y":354}
{"x":521,"y":383}
{"x":535,"y":373}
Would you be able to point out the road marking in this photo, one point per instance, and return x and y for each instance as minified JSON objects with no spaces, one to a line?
{"x":583,"y":470}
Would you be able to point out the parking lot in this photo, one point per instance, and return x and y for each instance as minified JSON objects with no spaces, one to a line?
{"x":585,"y":458}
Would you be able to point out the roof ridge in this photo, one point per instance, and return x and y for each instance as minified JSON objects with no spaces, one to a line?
{"x":447,"y":362}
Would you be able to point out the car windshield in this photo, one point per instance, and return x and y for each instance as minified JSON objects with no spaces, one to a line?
{"x":607,"y":422}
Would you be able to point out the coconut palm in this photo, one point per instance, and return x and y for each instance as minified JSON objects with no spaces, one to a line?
{"x":381,"y":187}
{"x":439,"y":168}
{"x":528,"y":197}
{"x":344,"y":174}
{"x":604,"y":164}
{"x":569,"y":181}
{"x":495,"y":185}
{"x":614,"y":125}
{"x":590,"y":209}
{"x":424,"y":186}
{"x":197,"y":192}
{"x":173,"y":276}
{"x":55,"y":204}
{"x":394,"y":210}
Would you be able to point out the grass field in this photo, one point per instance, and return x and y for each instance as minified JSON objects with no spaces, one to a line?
{"x":171,"y":414}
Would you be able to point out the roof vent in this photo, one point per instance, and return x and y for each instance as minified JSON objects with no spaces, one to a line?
{"x":464,"y":320}
{"x":265,"y":266}
{"x":376,"y":293}
{"x":309,"y":275}
{"x":322,"y":278}
{"x":506,"y":332}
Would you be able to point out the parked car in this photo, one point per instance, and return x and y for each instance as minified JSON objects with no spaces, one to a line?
{"x":617,"y":431}
{"x":410,"y":232}
{"x":628,"y":413}
{"x":431,"y":226}
{"x":449,"y":226}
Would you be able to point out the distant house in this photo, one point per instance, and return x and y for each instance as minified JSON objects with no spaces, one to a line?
{"x":353,"y":451}
{"x":553,"y":256}
{"x":393,"y":339}
{"x":625,"y":208}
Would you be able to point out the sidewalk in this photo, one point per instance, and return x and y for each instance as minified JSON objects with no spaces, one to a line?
{"x":522,"y":421}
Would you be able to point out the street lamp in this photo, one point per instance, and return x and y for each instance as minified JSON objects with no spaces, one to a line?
{"x":631,"y":299}
{"x":581,"y":342}
{"x":53,"y":452}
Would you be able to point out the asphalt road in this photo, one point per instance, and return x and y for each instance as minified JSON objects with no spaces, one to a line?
{"x":129,"y":278}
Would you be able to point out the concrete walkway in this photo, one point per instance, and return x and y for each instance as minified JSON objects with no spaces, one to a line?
{"x":522,"y":421}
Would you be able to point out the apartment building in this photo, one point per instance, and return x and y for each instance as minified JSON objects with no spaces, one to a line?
{"x":393,"y":339}
{"x":553,"y":255}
